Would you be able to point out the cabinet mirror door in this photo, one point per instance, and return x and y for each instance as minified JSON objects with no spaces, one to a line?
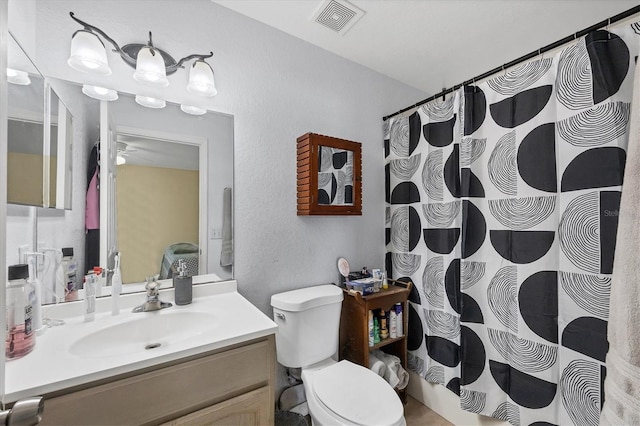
{"x":329,"y":176}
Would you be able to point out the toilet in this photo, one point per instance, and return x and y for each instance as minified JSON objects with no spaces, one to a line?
{"x":338,"y":393}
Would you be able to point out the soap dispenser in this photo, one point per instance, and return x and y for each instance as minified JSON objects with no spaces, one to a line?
{"x":182,"y":285}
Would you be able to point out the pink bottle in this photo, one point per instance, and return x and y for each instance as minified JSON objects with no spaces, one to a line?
{"x":21,"y":337}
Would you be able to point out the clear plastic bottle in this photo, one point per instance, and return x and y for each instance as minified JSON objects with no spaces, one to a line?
{"x":67,"y":276}
{"x":21,"y":337}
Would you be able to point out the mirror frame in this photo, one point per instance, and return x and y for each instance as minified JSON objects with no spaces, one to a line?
{"x":307,"y":153}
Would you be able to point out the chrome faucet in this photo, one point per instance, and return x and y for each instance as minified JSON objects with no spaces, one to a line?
{"x":153,"y":302}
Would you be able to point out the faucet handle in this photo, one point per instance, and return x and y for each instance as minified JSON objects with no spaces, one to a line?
{"x":152,"y":286}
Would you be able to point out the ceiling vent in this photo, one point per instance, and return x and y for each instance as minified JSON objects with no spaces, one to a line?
{"x":338,"y":15}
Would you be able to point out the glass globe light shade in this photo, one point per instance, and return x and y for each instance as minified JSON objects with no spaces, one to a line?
{"x":88,"y":53}
{"x":201,"y":80}
{"x":150,"y":68}
{"x":99,"y":93}
{"x":149,"y":102}
{"x":18,"y":77}
{"x":192,"y":110}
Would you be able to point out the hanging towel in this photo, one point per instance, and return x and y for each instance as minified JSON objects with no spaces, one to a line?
{"x":377,"y":365}
{"x":395,"y":375}
{"x":226,"y":256}
{"x":622,"y":384}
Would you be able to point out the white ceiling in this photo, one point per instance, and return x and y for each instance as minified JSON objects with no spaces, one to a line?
{"x":432,"y":44}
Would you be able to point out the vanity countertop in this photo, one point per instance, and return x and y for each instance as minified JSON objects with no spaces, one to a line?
{"x":53,"y":365}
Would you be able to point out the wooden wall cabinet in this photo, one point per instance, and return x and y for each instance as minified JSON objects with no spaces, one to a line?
{"x":329,"y":176}
{"x":354,"y":325}
{"x":229,"y":386}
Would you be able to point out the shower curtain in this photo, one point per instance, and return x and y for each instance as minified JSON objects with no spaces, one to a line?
{"x":502,"y":209}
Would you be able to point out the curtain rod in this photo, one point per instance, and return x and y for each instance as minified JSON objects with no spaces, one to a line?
{"x":444,"y":92}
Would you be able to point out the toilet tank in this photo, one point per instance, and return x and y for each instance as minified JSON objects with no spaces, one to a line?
{"x":308,"y":324}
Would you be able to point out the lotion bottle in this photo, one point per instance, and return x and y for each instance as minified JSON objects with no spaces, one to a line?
{"x":393,"y":323}
{"x":182,"y":285}
{"x":399,"y":320}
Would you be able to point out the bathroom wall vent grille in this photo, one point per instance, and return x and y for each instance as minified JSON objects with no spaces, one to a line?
{"x":338,"y":15}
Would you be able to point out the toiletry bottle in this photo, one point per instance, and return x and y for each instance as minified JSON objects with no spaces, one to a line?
{"x":385,"y":283}
{"x":399,"y":323}
{"x":20,"y":337}
{"x":116,"y":287}
{"x":376,"y":330}
{"x":384,"y":330}
{"x":182,"y":285}
{"x":89,"y":297}
{"x":371,"y":328}
{"x":393,"y":329}
{"x":99,"y":275}
{"x":67,"y":276}
{"x":35,"y":296}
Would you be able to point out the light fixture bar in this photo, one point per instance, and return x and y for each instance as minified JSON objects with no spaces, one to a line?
{"x":129,"y":52}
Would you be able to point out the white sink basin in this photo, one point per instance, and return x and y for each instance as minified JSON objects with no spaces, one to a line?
{"x":150,"y":331}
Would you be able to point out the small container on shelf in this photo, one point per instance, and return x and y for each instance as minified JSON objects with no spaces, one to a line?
{"x":363,"y":286}
{"x":384,"y":328}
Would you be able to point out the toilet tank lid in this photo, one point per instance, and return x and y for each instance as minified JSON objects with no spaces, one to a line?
{"x":307,"y":298}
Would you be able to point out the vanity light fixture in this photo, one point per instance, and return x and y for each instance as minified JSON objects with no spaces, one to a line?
{"x":201,"y":80}
{"x":100,"y":93}
{"x":192,"y":110}
{"x":18,"y":77}
{"x":152,"y":65}
{"x":149,"y":102}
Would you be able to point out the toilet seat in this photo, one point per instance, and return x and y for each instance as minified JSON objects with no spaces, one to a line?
{"x":357,"y":395}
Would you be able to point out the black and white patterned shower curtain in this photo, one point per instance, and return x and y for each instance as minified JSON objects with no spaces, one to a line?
{"x":502,"y":208}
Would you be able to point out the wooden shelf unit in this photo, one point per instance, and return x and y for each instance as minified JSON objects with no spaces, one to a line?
{"x":354,"y":324}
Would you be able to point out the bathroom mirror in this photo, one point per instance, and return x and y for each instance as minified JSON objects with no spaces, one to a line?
{"x":26,"y":101}
{"x":174,"y":169}
{"x":59,"y":155}
{"x":39,"y":143}
{"x":169,"y":186}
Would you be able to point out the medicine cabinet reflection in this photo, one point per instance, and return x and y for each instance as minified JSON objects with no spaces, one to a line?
{"x":39,"y":137}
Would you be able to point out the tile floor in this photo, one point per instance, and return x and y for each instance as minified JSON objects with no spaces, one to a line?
{"x":418,"y":414}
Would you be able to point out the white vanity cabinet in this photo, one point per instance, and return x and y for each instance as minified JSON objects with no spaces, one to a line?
{"x":233,"y":385}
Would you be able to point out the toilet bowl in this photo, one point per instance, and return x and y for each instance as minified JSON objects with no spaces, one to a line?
{"x":345,"y":393}
{"x":338,"y":393}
